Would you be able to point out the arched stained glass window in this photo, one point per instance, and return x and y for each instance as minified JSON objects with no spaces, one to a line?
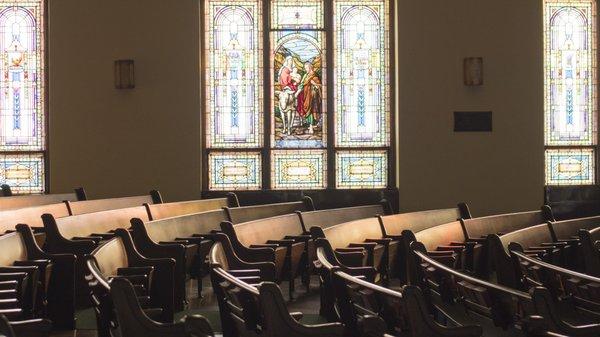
{"x":325,"y":80}
{"x":570,"y":91}
{"x":22,"y":95}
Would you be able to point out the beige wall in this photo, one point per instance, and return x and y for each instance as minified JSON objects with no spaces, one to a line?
{"x":125,"y":142}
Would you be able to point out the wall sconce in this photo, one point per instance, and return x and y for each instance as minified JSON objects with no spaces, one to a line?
{"x":473,"y":71}
{"x":124,"y":74}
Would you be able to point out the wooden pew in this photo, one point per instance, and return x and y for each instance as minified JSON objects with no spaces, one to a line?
{"x":187,"y":239}
{"x":174,"y":209}
{"x":568,"y":231}
{"x":248,"y":213}
{"x":580,"y":290}
{"x":21,"y":201}
{"x":369,"y":309}
{"x":393,"y":225}
{"x":118,"y":258}
{"x":249,"y":307}
{"x":282,"y":234}
{"x":29,"y":328}
{"x":364,"y":235}
{"x":533,"y":313}
{"x":31,"y":216}
{"x":536,"y":241}
{"x":331,"y":217}
{"x":590,"y":249}
{"x":99,"y":205}
{"x":49,"y":282}
{"x":81,"y":234}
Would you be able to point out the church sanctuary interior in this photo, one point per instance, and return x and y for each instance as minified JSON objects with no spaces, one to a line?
{"x":299,"y":168}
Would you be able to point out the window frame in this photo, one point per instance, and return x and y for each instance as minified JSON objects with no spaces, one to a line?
{"x":46,"y":106}
{"x":331,"y":149}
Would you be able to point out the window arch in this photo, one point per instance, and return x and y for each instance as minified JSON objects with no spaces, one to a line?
{"x":321,"y":105}
{"x":22,"y":95}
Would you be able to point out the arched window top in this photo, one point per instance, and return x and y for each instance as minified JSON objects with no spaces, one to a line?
{"x":233,"y":15}
{"x":18,"y":26}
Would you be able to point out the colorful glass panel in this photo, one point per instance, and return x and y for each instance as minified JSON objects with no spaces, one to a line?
{"x":23,"y":173}
{"x":361,"y":169}
{"x":570,"y":167}
{"x":234,"y":171}
{"x":570,"y":70}
{"x":299,"y":170}
{"x":297,"y":14}
{"x":362,"y":92}
{"x":234,"y":74}
{"x":299,"y":90}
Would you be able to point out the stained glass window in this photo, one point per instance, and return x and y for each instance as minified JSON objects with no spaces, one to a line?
{"x":299,"y":170}
{"x":362,"y":95}
{"x":293,"y":51}
{"x":364,"y":169}
{"x":234,"y":74}
{"x":235,"y":171}
{"x":22,"y":96}
{"x":570,"y":90}
{"x":570,"y":167}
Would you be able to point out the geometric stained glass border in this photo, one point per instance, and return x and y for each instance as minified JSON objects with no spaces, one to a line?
{"x":361,"y":169}
{"x":24,"y":173}
{"x":234,"y":171}
{"x":570,"y":167}
{"x":305,"y":169}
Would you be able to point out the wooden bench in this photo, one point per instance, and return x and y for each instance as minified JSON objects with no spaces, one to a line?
{"x":534,"y":313}
{"x":590,"y":249}
{"x":580,"y":290}
{"x":248,"y":213}
{"x":362,"y":236}
{"x":568,"y":231}
{"x":21,"y":201}
{"x":173,"y":209}
{"x":31,"y":216}
{"x":47,"y":286}
{"x":479,"y":228}
{"x":99,"y":205}
{"x":536,"y":241}
{"x":250,"y":307}
{"x":393,"y":225}
{"x":187,"y":239}
{"x":283,"y":235}
{"x":81,"y":234}
{"x":28,"y":328}
{"x":152,"y":279}
{"x":369,"y":309}
{"x":331,"y":217}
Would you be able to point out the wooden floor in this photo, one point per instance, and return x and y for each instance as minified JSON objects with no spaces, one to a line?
{"x":307,"y":303}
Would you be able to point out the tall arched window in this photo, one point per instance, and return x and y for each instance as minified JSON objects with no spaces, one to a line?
{"x":297,"y":94}
{"x":22,"y":95}
{"x":570,"y":91}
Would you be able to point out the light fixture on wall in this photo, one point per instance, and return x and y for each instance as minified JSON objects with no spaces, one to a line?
{"x":124,"y":74}
{"x":473,"y":71}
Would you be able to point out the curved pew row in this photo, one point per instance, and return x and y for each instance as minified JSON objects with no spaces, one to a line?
{"x":243,"y":214}
{"x":34,"y":283}
{"x":376,"y":241}
{"x":541,"y":241}
{"x":533,"y":313}
{"x":367,"y":309}
{"x":248,"y":306}
{"x":133,"y":295}
{"x":590,"y":248}
{"x":31,"y":216}
{"x":451,"y":243}
{"x":20,"y":201}
{"x":99,"y":205}
{"x":187,"y":239}
{"x":580,"y":291}
{"x":172,"y":209}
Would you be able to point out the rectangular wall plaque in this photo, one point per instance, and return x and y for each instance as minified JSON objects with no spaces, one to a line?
{"x":472,"y":121}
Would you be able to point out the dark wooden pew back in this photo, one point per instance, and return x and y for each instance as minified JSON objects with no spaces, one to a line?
{"x":418,"y":221}
{"x":92,"y":223}
{"x":99,"y":205}
{"x":441,"y":235}
{"x":357,"y":231}
{"x":31,"y":216}
{"x":249,"y":213}
{"x":502,"y":224}
{"x":568,"y":229}
{"x":331,"y":217}
{"x":21,"y":201}
{"x":590,"y":249}
{"x":174,"y":209}
{"x":528,"y":237}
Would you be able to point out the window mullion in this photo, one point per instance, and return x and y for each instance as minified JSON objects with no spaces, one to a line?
{"x":329,"y":49}
{"x":267,"y":96}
